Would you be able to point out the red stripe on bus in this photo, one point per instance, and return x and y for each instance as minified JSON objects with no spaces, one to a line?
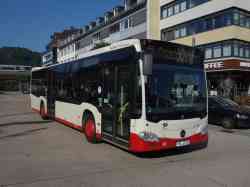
{"x":139,"y":145}
{"x":36,"y":110}
{"x":67,"y":123}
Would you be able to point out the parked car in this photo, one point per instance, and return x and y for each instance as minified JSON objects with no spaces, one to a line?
{"x":227,"y":113}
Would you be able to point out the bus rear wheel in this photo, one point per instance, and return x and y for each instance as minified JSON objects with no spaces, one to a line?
{"x":42,"y":112}
{"x":90,"y":130}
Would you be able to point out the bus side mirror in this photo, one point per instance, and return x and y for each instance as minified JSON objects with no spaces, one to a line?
{"x":147,"y":64}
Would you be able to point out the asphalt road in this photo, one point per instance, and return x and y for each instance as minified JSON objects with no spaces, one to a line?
{"x":41,"y":153}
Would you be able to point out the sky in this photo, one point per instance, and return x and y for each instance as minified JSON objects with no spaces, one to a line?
{"x":30,"y":23}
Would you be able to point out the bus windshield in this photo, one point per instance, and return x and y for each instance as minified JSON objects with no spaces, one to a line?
{"x":175,"y":92}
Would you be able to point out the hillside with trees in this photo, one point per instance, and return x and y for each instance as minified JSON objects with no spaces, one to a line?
{"x":19,"y":56}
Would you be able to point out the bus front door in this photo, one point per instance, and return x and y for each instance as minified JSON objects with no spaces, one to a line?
{"x":122,"y":124}
{"x":51,"y":95}
{"x":116,"y":104}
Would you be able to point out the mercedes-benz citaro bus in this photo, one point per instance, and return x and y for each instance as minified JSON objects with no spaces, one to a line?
{"x":140,"y":95}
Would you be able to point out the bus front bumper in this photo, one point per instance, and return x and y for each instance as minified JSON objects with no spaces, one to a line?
{"x":138,"y":145}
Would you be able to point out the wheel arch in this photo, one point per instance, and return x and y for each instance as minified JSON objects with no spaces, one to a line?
{"x":88,"y":109}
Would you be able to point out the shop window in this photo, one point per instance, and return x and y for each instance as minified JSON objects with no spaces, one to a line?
{"x":217,"y":51}
{"x":208,"y":53}
{"x":227,"y":50}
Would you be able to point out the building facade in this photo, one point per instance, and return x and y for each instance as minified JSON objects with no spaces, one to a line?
{"x":222,"y":29}
{"x":133,"y":19}
{"x":52,"y":54}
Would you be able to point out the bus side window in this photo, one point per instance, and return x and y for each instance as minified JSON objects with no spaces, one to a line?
{"x":108,"y":87}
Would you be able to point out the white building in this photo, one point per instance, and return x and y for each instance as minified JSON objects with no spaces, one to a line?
{"x":132,"y":20}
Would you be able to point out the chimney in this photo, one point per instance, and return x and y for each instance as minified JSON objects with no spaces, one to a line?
{"x":86,"y":28}
{"x":92,"y":24}
{"x":108,"y":16}
{"x":130,"y":3}
{"x":100,"y":20}
{"x":118,"y":10}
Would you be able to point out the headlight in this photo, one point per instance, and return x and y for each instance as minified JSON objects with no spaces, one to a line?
{"x":149,"y":136}
{"x":241,"y":116}
{"x":204,"y":130}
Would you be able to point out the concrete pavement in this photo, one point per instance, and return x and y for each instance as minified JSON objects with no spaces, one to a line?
{"x":34,"y":152}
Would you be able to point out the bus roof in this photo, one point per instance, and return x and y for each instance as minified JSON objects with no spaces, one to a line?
{"x":114,"y":46}
{"x":139,"y":44}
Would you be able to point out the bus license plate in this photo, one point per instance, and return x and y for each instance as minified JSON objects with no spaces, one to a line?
{"x":182,"y":143}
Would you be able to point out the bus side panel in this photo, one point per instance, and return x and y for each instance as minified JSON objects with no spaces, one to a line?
{"x":72,"y":114}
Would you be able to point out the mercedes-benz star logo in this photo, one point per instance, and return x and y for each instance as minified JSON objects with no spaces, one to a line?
{"x":183,"y":133}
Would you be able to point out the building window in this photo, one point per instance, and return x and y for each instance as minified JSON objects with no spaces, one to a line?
{"x":248,"y":22}
{"x":222,"y":19}
{"x":236,"y":18}
{"x":242,"y":20}
{"x":227,"y":50}
{"x":170,"y":11}
{"x":177,"y":34}
{"x":241,"y":50}
{"x":183,"y":6}
{"x":115,"y":28}
{"x":125,"y":24}
{"x":176,"y":9}
{"x":164,"y":13}
{"x":228,"y":18}
{"x":208,"y":53}
{"x":192,"y":3}
{"x":217,"y":52}
{"x":236,"y":50}
{"x":183,"y":32}
{"x":247,"y":52}
{"x":231,"y":48}
{"x":179,"y":6}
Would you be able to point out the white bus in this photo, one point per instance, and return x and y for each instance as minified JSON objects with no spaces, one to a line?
{"x":140,"y":95}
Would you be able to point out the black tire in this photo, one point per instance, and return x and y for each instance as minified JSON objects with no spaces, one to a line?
{"x":228,"y":123}
{"x":42,"y":112}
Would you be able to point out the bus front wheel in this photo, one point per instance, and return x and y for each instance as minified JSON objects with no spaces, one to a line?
{"x":90,"y":130}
